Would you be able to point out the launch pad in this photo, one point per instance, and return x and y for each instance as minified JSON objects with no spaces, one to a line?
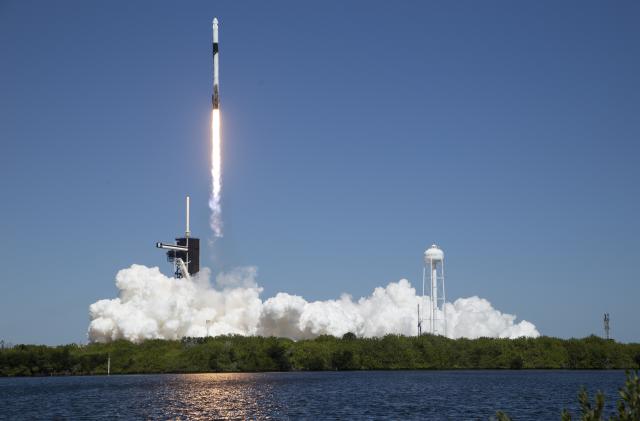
{"x":185,"y":253}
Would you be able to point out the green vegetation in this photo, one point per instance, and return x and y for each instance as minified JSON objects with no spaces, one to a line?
{"x":391,"y":352}
{"x":628,"y":407}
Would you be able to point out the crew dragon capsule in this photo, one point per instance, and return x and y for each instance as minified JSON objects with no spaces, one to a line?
{"x":215,"y":98}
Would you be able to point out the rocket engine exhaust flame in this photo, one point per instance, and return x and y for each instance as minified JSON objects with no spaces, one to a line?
{"x":216,"y":143}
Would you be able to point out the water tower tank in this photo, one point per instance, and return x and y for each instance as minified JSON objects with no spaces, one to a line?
{"x":433,"y":254}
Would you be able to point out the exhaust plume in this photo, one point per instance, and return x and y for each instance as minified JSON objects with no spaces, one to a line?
{"x":216,"y":174}
{"x":151,"y":305}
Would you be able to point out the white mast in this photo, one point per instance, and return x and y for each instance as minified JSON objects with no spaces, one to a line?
{"x":187,"y":232}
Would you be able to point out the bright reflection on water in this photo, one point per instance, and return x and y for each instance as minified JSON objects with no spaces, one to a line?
{"x":229,"y":396}
{"x":525,"y":395}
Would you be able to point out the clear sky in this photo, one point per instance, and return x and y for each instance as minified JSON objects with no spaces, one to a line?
{"x":355,"y":135}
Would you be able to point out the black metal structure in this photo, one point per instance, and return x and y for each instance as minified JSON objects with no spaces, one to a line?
{"x":190,"y":256}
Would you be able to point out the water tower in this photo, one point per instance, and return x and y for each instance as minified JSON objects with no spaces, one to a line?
{"x":433,"y":273}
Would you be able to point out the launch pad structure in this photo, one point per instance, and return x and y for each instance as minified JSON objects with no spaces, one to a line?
{"x":185,"y":253}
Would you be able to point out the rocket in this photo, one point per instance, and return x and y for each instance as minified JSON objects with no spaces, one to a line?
{"x":215,"y":98}
{"x":216,"y":152}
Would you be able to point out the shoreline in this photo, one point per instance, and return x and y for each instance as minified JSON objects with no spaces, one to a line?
{"x":241,"y":354}
{"x":457,"y":370}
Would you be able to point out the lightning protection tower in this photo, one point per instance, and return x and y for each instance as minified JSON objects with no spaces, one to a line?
{"x":433,"y":274}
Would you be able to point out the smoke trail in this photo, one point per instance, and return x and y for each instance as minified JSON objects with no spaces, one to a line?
{"x":151,"y":305}
{"x":216,"y":174}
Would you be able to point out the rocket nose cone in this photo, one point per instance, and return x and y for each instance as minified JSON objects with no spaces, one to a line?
{"x":215,"y":21}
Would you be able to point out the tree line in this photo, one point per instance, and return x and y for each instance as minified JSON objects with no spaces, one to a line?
{"x":253,"y":353}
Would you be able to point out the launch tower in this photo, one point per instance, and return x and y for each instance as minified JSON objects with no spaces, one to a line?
{"x":185,"y":254}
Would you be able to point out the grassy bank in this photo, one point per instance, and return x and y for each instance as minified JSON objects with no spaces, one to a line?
{"x":238,"y":353}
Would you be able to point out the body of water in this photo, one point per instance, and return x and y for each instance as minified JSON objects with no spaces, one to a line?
{"x":400,"y":395}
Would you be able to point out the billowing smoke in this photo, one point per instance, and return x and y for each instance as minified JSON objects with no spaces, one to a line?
{"x":151,"y":305}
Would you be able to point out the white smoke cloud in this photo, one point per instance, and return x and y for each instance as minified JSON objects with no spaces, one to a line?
{"x":151,"y":305}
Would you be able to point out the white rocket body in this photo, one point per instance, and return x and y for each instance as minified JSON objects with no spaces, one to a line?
{"x":215,"y":99}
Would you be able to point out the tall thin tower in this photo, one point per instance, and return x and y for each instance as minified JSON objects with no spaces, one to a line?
{"x":433,"y":274}
{"x":606,"y":325}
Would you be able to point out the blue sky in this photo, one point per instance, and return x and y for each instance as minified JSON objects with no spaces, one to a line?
{"x":355,"y":135}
